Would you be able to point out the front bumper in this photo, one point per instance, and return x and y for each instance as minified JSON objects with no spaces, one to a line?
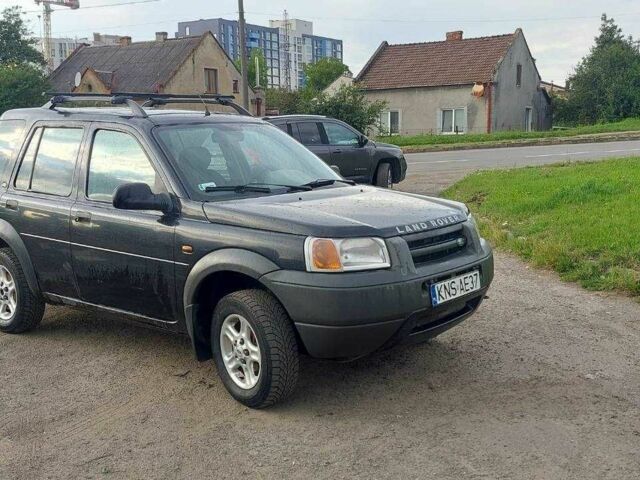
{"x":350,"y":315}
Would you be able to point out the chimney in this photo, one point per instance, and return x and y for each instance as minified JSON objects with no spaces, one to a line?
{"x":125,"y":41}
{"x":161,"y":36}
{"x":452,"y":36}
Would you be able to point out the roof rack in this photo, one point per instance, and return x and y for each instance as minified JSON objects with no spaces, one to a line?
{"x":115,"y":99}
{"x":150,"y":100}
{"x":225,"y":100}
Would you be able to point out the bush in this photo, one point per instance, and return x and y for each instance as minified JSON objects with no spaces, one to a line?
{"x":350,"y":105}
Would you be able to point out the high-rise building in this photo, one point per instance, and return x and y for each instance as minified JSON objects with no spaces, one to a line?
{"x":288,"y":45}
{"x":61,"y":48}
{"x":226,"y":32}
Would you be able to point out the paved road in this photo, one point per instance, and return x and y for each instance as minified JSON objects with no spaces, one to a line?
{"x":433,"y":171}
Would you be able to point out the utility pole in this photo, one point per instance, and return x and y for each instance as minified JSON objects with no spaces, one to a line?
{"x":243,"y":55}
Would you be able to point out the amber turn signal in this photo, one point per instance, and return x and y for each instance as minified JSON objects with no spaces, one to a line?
{"x":324,"y":255}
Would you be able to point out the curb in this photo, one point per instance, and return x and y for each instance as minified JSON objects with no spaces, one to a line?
{"x":533,"y":142}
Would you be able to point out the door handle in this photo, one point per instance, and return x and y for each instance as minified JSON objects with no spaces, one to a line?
{"x":82,"y":217}
{"x":337,"y":151}
{"x":11,"y":204}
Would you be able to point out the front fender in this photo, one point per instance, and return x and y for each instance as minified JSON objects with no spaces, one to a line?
{"x":10,"y":236}
{"x":225,"y":260}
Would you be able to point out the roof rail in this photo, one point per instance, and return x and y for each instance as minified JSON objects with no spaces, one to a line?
{"x":115,"y":99}
{"x":225,"y":100}
{"x":150,"y":100}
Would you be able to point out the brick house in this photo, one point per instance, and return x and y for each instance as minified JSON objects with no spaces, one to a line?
{"x":189,"y":65}
{"x":474,"y":85}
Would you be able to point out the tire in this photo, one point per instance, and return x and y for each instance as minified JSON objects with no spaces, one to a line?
{"x":271,"y":331}
{"x":384,"y":177}
{"x":28,"y":308}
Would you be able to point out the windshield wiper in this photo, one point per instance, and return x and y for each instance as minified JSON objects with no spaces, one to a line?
{"x":237,"y":189}
{"x":256,"y":187}
{"x":327,"y":181}
{"x":293,"y":188}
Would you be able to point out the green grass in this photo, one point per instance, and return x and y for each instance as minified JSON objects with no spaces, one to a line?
{"x":630,"y":124}
{"x":582,"y":220}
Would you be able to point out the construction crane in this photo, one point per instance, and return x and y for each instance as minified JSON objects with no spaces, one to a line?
{"x":46,"y":20}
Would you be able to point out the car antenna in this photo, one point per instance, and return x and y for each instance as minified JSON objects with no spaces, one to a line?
{"x":207,"y":113}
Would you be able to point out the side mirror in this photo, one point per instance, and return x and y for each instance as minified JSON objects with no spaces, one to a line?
{"x":362,"y":140}
{"x":335,"y":168}
{"x":138,"y":196}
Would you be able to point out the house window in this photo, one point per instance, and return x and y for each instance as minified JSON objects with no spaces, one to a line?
{"x":453,"y":120}
{"x":235,"y":87}
{"x":390,"y":122}
{"x":518,"y":75}
{"x":211,"y":80}
{"x":187,"y":31}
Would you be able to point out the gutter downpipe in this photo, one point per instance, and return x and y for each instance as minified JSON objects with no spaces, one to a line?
{"x":489,"y":89}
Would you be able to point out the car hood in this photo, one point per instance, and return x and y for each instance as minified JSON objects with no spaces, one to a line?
{"x":339,"y":212}
{"x":388,"y":146}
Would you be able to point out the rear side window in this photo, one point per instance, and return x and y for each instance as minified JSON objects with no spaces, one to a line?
{"x":283,"y":127}
{"x":118,"y":158}
{"x":309,"y":133}
{"x":10,"y":141}
{"x":50,"y":161}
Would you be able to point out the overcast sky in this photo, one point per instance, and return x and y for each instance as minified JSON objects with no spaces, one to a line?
{"x":559,"y":32}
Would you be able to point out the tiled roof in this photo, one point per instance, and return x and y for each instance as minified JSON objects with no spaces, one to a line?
{"x":138,"y":67}
{"x":452,"y":62}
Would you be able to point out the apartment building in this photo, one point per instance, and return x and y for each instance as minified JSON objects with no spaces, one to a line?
{"x":288,"y":45}
{"x":61,"y":48}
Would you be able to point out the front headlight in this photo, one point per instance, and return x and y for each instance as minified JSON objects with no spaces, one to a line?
{"x":345,"y":254}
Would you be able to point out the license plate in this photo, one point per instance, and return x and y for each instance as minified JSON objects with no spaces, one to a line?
{"x":455,"y":287}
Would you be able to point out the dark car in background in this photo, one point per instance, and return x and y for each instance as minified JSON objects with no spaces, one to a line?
{"x":357,"y":157}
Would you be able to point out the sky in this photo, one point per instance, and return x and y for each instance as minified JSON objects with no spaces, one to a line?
{"x":559,"y":32}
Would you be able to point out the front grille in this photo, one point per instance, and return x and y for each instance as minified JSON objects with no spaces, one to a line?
{"x":430,"y":246}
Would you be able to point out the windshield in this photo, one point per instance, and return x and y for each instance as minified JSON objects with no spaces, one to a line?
{"x":210,"y":157}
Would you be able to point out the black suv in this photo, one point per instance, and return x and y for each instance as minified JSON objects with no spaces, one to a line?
{"x":339,"y":144}
{"x":223,"y":228}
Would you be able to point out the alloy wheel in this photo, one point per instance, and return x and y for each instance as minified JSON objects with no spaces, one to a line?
{"x":8,"y":296}
{"x":240,"y":351}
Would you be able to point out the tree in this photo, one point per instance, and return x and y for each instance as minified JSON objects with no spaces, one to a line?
{"x":348,"y":104}
{"x":320,"y":74}
{"x":15,"y":45}
{"x":286,"y":102}
{"x":256,"y":53}
{"x":21,"y":86}
{"x":606,"y":83}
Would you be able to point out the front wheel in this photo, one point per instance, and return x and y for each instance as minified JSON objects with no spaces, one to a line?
{"x":384,"y":177}
{"x":254,"y":348}
{"x":20,"y":309}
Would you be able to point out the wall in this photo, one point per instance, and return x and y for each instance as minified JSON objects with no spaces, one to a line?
{"x":190,"y":79}
{"x":510,"y":100}
{"x":419,"y":107}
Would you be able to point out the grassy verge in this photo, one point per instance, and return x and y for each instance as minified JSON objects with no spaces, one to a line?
{"x":580,"y":219}
{"x":628,"y":125}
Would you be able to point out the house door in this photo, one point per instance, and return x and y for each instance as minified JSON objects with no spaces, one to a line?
{"x":528,"y":119}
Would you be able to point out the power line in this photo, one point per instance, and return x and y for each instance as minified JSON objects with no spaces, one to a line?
{"x":133,"y":2}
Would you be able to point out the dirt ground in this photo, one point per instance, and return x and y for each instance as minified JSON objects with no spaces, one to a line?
{"x":544,"y":383}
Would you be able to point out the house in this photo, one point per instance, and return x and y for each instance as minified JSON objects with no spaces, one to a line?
{"x":189,"y":65}
{"x":345,"y":79}
{"x":554,"y":89}
{"x":473,"y":85}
